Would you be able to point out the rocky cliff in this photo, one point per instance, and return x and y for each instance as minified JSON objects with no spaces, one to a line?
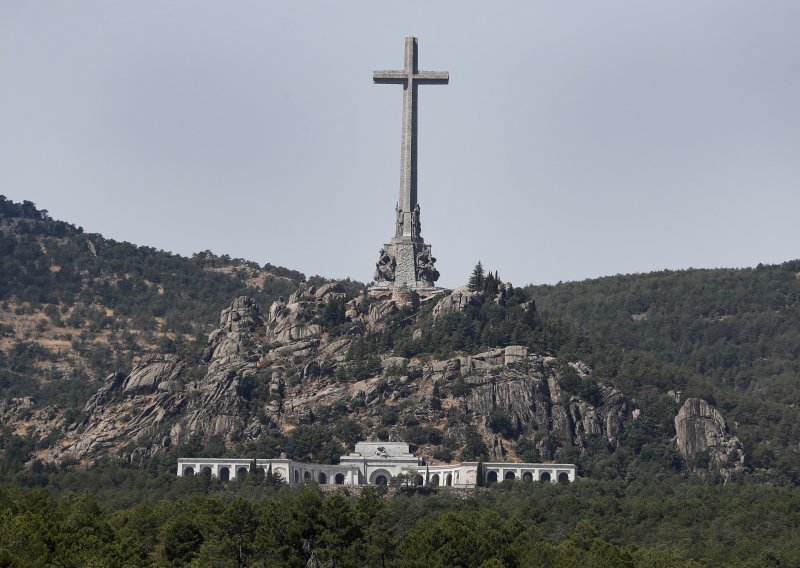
{"x":275,"y":371}
{"x":703,"y":438}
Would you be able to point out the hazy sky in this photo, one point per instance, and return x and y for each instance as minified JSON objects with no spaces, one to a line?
{"x":575,"y":139}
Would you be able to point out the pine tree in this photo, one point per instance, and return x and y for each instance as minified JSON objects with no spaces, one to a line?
{"x":490,"y":285}
{"x":476,"y":281}
{"x":479,"y":474}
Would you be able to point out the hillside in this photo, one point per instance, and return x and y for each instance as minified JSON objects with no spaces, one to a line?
{"x":111,"y":350}
{"x":116,"y":359}
{"x":739,"y":329}
{"x":75,"y":307}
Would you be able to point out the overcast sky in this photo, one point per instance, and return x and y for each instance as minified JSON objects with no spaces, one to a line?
{"x":575,"y":139}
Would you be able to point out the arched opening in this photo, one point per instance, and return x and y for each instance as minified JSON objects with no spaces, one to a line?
{"x":435,"y":480}
{"x":545,"y":476}
{"x":188,"y":471}
{"x":207,"y":470}
{"x":307,"y":476}
{"x":339,"y":479}
{"x":448,"y":480}
{"x":380,"y":477}
{"x":241,"y":473}
{"x":510,"y":475}
{"x":322,"y":478}
{"x":224,"y":473}
{"x":563,"y":477}
{"x":527,"y":476}
{"x":297,"y":476}
{"x":491,"y":477}
{"x":418,"y":480}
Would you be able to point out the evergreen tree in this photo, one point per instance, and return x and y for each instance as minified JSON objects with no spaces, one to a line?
{"x":490,"y":285}
{"x":256,"y":474}
{"x":269,"y":478}
{"x":476,"y":281}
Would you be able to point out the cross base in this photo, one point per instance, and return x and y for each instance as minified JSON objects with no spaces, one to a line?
{"x":412,"y":297}
{"x":406,"y":263}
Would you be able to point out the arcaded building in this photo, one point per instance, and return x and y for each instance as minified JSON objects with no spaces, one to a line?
{"x":376,"y":463}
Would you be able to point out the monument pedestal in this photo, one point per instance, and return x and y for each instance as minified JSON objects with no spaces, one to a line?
{"x":411,"y":297}
{"x":406,"y":263}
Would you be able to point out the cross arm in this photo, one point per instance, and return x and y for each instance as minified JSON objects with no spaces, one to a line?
{"x":432,"y":77}
{"x":400,"y":77}
{"x":389,"y":77}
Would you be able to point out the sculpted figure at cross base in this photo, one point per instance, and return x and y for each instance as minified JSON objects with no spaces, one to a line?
{"x":384,"y":268}
{"x":398,"y":232}
{"x":416,"y":228}
{"x":425,"y":268}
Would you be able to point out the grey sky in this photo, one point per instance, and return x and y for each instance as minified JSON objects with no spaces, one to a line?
{"x":574,"y":140}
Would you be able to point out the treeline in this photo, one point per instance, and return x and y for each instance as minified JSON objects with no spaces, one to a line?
{"x":25,"y":210}
{"x":247,"y":523}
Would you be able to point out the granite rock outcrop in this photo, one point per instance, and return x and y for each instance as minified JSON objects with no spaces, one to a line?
{"x":295,"y":318}
{"x":276,"y":371}
{"x":704,"y":440}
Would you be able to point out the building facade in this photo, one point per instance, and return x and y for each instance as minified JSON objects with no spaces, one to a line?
{"x":377,"y":463}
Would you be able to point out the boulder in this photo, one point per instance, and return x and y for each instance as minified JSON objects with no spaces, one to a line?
{"x":388,"y":362}
{"x":457,"y":301}
{"x":702,"y":432}
{"x":150,"y":371}
{"x":330,"y":291}
{"x":378,"y":312}
{"x":242,"y":315}
{"x":446,"y":370}
{"x":294,"y":320}
{"x":488,"y":359}
{"x":515,"y":354}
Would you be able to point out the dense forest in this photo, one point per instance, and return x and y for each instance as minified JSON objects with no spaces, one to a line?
{"x":738,"y":327}
{"x":169,"y":521}
{"x":735,"y":333}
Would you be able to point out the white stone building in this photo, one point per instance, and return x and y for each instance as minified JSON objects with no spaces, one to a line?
{"x":376,"y":463}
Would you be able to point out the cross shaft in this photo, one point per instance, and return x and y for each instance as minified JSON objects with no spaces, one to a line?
{"x":410,"y":77}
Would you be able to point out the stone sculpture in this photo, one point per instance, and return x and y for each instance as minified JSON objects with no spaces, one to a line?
{"x":425,"y":269}
{"x":384,"y":268}
{"x":399,"y":224}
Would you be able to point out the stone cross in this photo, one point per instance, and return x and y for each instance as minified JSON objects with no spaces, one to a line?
{"x":410,"y":77}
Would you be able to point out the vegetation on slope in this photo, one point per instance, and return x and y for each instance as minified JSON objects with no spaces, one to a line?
{"x":731,"y":336}
{"x":75,"y":307}
{"x":738,"y":327}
